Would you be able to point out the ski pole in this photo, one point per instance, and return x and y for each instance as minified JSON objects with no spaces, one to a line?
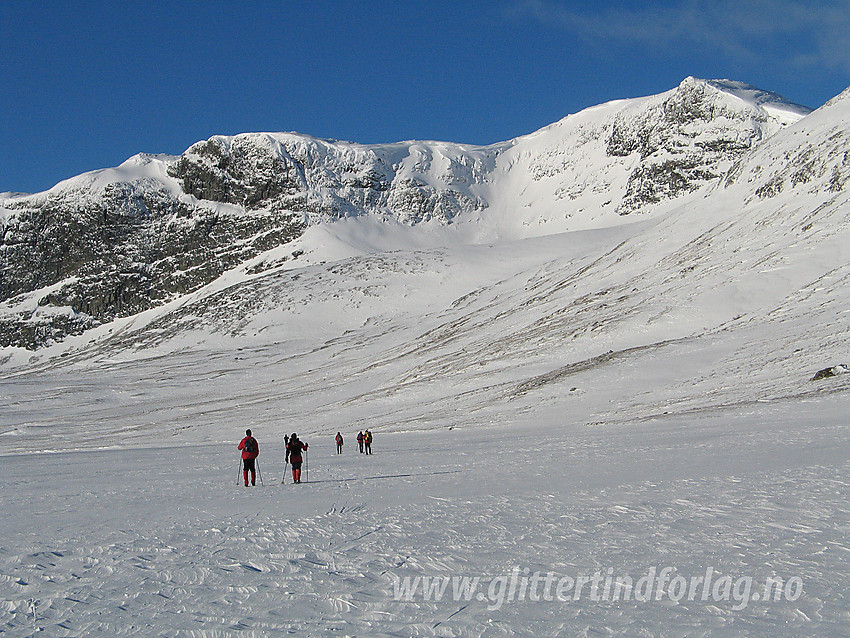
{"x":259,"y":472}
{"x":306,"y":466}
{"x":286,"y":458}
{"x":239,"y":471}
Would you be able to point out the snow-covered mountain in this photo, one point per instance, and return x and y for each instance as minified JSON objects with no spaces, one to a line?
{"x":656,"y":400}
{"x":116,"y":242}
{"x":729,"y":294}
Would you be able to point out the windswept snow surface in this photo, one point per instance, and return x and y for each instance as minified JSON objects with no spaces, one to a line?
{"x":162,"y":541}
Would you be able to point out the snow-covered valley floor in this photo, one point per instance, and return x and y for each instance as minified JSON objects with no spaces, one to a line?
{"x":163,"y":541}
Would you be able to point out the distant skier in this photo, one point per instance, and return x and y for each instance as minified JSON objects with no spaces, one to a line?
{"x":250,"y":451}
{"x":338,"y":443}
{"x":360,"y":441}
{"x":367,"y":439}
{"x":293,"y":455}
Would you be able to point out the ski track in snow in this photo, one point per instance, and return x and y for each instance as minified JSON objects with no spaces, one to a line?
{"x":163,"y":541}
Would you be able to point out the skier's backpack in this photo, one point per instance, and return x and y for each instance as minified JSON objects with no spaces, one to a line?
{"x":251,"y":445}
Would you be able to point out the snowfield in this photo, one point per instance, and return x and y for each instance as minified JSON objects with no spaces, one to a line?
{"x":585,"y":424}
{"x":161,"y":541}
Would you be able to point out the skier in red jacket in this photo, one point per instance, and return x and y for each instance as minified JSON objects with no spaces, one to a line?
{"x":250,"y":451}
{"x":293,"y":455}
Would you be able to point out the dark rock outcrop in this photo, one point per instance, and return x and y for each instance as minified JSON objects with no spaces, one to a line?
{"x":834,"y":371}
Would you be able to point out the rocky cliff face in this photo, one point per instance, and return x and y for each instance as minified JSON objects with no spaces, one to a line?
{"x":325,"y":180}
{"x":689,"y":139}
{"x":117,"y":242}
{"x":74,"y":258}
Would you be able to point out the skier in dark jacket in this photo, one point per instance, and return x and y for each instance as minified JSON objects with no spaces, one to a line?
{"x":360,"y":441}
{"x":338,"y":440}
{"x":250,"y":451}
{"x":293,"y":455}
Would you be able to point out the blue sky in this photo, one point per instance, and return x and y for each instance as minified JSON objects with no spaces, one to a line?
{"x":86,"y":85}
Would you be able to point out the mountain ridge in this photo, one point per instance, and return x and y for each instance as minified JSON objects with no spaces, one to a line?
{"x":115,"y":242}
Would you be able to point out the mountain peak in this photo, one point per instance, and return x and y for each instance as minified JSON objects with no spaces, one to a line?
{"x":744,"y":94}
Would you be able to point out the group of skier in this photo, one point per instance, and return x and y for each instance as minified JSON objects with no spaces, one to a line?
{"x":364,"y":442}
{"x":294,"y":447}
